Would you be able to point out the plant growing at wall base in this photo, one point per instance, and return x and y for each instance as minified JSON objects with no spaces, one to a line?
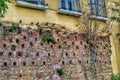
{"x":115,"y":77}
{"x":60,"y":72}
{"x":45,"y":37}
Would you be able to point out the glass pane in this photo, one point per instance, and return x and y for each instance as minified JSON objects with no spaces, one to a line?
{"x":74,"y":5}
{"x":33,"y":1}
{"x":69,"y":5}
{"x":100,"y":11}
{"x":63,"y":6}
{"x":78,"y":5}
{"x":104,"y":12}
{"x":93,"y":9}
{"x":92,"y":1}
{"x":101,"y":2}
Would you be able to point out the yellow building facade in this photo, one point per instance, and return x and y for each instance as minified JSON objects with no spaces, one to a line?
{"x":51,"y":14}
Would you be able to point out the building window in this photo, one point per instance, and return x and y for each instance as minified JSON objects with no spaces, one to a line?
{"x":39,"y":4}
{"x":97,"y":8}
{"x":72,"y":5}
{"x":69,"y":7}
{"x":63,"y":5}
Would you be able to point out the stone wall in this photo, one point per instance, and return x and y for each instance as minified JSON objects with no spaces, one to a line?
{"x":23,"y":56}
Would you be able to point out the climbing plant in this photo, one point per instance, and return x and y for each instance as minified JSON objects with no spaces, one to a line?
{"x":3,"y":7}
{"x":116,"y":10}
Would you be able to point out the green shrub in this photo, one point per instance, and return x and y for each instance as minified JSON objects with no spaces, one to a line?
{"x":115,"y":77}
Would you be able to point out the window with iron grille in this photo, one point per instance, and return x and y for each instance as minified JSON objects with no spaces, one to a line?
{"x":39,"y":2}
{"x":97,"y":8}
{"x":71,"y":5}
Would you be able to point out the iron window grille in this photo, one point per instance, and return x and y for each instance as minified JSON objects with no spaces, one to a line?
{"x":72,"y":5}
{"x":97,"y":8}
{"x":38,"y":2}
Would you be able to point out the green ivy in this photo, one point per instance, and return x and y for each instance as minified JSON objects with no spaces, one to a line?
{"x":116,"y":10}
{"x":60,"y":72}
{"x":3,"y":7}
{"x":45,"y":37}
{"x":115,"y":77}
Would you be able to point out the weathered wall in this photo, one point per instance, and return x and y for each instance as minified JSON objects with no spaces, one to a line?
{"x":27,"y":15}
{"x":23,"y":56}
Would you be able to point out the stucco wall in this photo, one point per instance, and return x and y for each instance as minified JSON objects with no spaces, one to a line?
{"x":27,"y":15}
